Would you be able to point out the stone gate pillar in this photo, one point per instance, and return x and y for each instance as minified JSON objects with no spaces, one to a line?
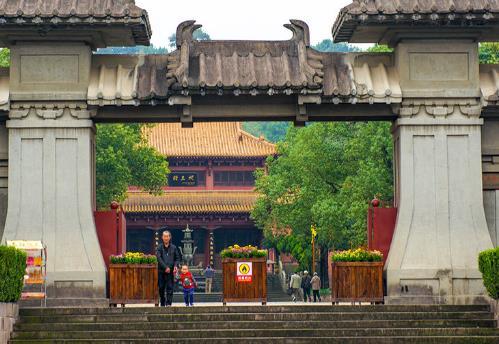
{"x":51,"y":194}
{"x":441,"y":225}
{"x":51,"y":184}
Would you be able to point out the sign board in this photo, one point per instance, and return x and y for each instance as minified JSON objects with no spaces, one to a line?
{"x":25,"y":244}
{"x":244,"y":271}
{"x":183,"y":179}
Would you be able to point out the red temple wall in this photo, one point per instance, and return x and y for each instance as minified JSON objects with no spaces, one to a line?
{"x":111,"y":231}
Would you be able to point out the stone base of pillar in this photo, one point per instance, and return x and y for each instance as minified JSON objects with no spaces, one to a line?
{"x":441,"y":225}
{"x":52,"y":197}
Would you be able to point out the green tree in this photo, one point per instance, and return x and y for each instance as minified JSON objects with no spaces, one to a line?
{"x":271,"y":131}
{"x":137,"y":50}
{"x":380,"y":48}
{"x":124,"y":158}
{"x":325,"y":174}
{"x":327,"y":45}
{"x":4,"y":57}
{"x":489,"y":53}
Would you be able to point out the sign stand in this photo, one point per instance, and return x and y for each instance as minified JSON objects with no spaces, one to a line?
{"x":35,"y":280}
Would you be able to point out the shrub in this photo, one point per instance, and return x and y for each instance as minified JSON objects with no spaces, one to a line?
{"x":237,"y":251}
{"x":358,"y":255}
{"x":488,"y":264}
{"x":134,"y":258}
{"x":12,"y":271}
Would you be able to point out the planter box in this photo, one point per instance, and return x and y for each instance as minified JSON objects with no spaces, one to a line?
{"x":238,"y":291}
{"x":133,"y":283}
{"x":357,"y":282}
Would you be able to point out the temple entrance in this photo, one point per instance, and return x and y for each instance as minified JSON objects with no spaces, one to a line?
{"x":431,"y":87}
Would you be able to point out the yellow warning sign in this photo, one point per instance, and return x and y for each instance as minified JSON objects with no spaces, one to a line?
{"x":244,"y":271}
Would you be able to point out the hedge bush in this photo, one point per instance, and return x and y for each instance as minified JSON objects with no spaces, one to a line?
{"x":488,"y":264}
{"x":12,"y":271}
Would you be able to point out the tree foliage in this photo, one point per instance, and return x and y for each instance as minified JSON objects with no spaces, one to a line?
{"x":380,"y":48}
{"x":124,"y":158}
{"x":271,"y":131}
{"x":325,"y":174}
{"x":136,"y":50}
{"x":327,"y":45}
{"x":4,"y":57}
{"x":489,"y":53}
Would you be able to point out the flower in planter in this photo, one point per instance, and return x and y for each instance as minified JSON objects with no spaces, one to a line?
{"x":134,"y":258}
{"x":358,"y":255}
{"x":248,"y":251}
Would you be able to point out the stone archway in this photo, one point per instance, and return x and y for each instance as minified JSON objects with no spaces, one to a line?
{"x":431,"y":87}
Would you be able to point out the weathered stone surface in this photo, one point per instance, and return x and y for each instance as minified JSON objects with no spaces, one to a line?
{"x":441,"y":224}
{"x":49,"y":71}
{"x":9,"y":313}
{"x":367,"y":21}
{"x":53,"y":18}
{"x":52,"y":195}
{"x":250,"y":324}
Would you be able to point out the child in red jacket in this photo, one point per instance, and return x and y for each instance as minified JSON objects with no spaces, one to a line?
{"x":189,"y":284}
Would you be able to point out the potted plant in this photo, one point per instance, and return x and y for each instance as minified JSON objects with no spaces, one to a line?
{"x":357,"y":276}
{"x":244,"y":274}
{"x":133,"y":278}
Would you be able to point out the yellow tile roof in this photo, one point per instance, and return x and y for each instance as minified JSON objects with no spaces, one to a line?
{"x":225,"y":139}
{"x":199,"y":201}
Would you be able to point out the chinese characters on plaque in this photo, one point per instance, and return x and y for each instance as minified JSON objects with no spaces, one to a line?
{"x":183,"y":179}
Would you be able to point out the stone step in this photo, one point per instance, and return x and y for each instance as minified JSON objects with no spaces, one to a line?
{"x":241,"y":333}
{"x":291,"y":340}
{"x":207,"y":317}
{"x":33,"y":327}
{"x":199,"y":297}
{"x":297,"y":309}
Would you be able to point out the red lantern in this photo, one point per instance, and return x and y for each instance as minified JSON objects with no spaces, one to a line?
{"x":375,"y":203}
{"x":114,"y":205}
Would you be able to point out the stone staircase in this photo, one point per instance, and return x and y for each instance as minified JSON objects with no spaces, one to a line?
{"x":275,"y":293}
{"x":259,"y":324}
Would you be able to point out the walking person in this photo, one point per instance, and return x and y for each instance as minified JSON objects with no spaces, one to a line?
{"x":209,"y":273}
{"x":306,"y":286}
{"x":294,"y":285}
{"x":188,"y":284}
{"x":316,"y":287}
{"x":168,"y":261}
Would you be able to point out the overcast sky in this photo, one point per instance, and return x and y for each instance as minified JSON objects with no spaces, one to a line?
{"x":233,"y":19}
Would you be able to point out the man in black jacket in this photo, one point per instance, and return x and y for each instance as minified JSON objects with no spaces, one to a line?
{"x":168,"y":261}
{"x":306,"y":285}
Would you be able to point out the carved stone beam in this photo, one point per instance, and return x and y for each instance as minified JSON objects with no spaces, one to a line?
{"x":301,"y":114}
{"x":186,"y":113}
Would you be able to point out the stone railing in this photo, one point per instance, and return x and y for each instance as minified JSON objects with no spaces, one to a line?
{"x":9,"y":313}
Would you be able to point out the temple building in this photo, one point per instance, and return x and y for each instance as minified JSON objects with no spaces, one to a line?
{"x":210,"y":189}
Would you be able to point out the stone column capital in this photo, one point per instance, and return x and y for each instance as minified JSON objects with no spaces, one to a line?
{"x":51,"y":115}
{"x":459,"y":112}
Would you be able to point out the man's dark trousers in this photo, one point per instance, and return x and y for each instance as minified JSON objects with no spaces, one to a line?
{"x":306,"y":294}
{"x":165,"y":282}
